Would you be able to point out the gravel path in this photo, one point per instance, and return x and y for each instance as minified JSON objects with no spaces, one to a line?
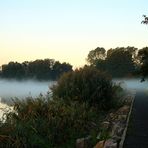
{"x":137,"y":133}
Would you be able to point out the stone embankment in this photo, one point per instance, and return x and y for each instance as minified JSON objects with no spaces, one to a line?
{"x":114,"y":127}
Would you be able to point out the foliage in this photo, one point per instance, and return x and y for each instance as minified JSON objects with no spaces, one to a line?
{"x":118,"y":62}
{"x":145,"y":21}
{"x":38,"y":69}
{"x":80,"y":99}
{"x":95,"y":55}
{"x":86,"y":85}
{"x":143,"y":60}
{"x":46,"y":123}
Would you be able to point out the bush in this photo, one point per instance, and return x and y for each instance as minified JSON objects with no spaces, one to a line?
{"x":87,"y":85}
{"x":42,"y":123}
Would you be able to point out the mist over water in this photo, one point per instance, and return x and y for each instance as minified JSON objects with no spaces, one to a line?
{"x":133,"y":84}
{"x":20,"y":89}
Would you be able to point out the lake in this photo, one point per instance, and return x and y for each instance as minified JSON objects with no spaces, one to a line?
{"x":21,"y":89}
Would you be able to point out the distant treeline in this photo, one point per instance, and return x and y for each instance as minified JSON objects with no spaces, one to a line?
{"x":120,"y":62}
{"x":38,"y":69}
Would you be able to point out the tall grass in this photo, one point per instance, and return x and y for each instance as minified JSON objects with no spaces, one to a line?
{"x":44,"y":123}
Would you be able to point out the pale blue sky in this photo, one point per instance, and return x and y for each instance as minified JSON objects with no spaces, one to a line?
{"x":67,"y":30}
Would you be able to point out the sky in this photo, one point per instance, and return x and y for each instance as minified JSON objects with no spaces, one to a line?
{"x":66,"y":30}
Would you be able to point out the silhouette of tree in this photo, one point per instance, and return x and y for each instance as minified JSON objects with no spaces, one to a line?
{"x":95,"y":55}
{"x":143,"y":60}
{"x":119,"y":62}
{"x":145,"y":21}
{"x":38,"y":69}
{"x":13,"y":70}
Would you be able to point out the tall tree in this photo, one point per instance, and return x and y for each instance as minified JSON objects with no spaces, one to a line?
{"x":143,"y":55}
{"x":120,"y":62}
{"x":97,"y":58}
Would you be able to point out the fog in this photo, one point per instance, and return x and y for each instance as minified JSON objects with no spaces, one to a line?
{"x":133,"y":84}
{"x":20,"y":89}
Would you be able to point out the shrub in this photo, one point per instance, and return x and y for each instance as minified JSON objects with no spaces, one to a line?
{"x":42,"y":123}
{"x":87,"y":85}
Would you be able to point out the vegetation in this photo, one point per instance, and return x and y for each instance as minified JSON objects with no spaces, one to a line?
{"x":87,"y":85}
{"x":145,"y":21}
{"x":121,"y":62}
{"x":38,"y":69}
{"x":143,"y":60}
{"x":118,"y":62}
{"x":46,"y":123}
{"x":143,"y":55}
{"x":80,"y":100}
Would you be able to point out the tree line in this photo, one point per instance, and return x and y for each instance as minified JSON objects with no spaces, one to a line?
{"x":121,"y":61}
{"x":38,"y":69}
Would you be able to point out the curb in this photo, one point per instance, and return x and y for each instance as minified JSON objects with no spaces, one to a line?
{"x":127,"y":122}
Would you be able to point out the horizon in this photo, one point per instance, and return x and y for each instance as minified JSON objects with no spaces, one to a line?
{"x":67,"y":31}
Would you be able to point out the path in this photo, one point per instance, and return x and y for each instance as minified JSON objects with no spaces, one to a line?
{"x":137,"y":133}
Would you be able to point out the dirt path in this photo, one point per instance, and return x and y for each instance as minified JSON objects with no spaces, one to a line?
{"x":137,"y":133}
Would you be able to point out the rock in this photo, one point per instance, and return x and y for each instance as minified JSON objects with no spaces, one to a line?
{"x":129,"y":99}
{"x":110,"y":143}
{"x":112,"y":116}
{"x":83,"y":142}
{"x":122,"y":118}
{"x":123,"y":110}
{"x":100,"y":144}
{"x":117,"y":129}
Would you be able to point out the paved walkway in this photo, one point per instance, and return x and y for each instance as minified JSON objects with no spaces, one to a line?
{"x":137,"y":133}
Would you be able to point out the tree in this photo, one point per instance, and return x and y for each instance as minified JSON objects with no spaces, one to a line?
{"x":13,"y":70}
{"x":96,"y":58}
{"x":143,"y":60}
{"x":38,"y":69}
{"x":143,"y":55}
{"x":120,"y":62}
{"x":59,"y":68}
{"x":95,"y":55}
{"x":145,"y":21}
